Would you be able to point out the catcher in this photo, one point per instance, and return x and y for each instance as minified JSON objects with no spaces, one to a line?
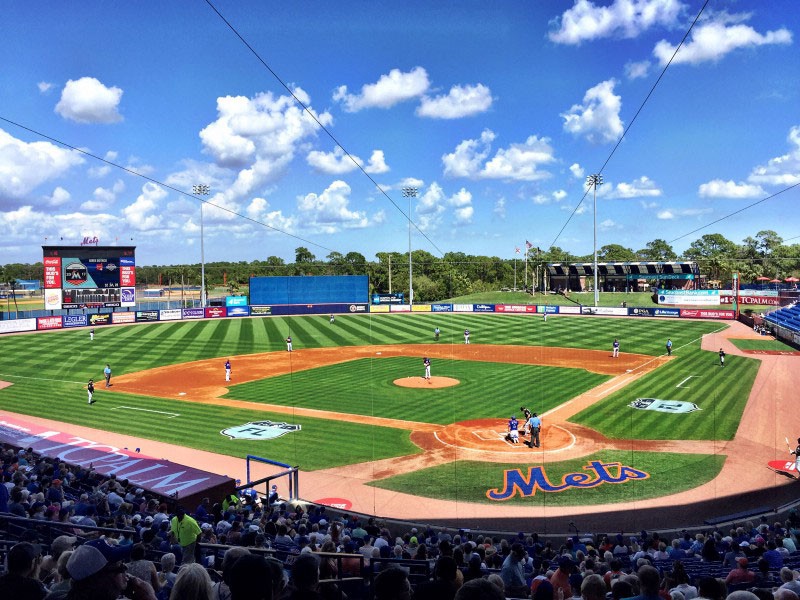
{"x":513,"y":430}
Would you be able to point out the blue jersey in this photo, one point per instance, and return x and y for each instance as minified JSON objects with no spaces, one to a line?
{"x":513,"y":424}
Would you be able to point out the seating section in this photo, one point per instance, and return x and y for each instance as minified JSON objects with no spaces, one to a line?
{"x":788,"y":317}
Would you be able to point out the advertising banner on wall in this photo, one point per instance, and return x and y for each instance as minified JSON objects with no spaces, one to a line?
{"x":751,"y":300}
{"x":358,"y":308}
{"x":379,"y":308}
{"x":238,"y":311}
{"x":441,"y":308}
{"x":688,"y":297}
{"x":146,"y":315}
{"x":569,"y":310}
{"x":216,"y":312}
{"x":260,"y":311}
{"x":235,"y":300}
{"x":515,"y":308}
{"x":192,"y":313}
{"x":482,"y":307}
{"x":170,"y":314}
{"x":17,"y":325}
{"x":604,"y":310}
{"x":43,"y":323}
{"x":704,"y":313}
{"x":462,"y":307}
{"x":550,"y":310}
{"x":123,"y":317}
{"x":74,"y":321}
{"x":421,"y":308}
{"x":100,"y":319}
{"x":400,"y":308}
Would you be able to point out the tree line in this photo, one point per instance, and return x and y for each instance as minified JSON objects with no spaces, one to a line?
{"x":457,"y":273}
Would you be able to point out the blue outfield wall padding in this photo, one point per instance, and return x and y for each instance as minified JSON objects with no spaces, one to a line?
{"x":324,"y":289}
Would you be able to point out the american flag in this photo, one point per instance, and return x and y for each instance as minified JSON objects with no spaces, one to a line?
{"x":528,"y":245}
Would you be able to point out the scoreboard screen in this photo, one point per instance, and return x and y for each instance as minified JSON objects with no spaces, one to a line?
{"x":89,"y":276}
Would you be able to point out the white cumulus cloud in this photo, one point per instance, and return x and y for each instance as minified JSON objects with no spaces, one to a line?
{"x":586,"y":21}
{"x":461,"y":101}
{"x":144,"y":213}
{"x":597,"y":119}
{"x":87,"y":100}
{"x":637,"y":70}
{"x":518,"y":162}
{"x":390,"y":89}
{"x":329,"y":211}
{"x":781,"y":170}
{"x":338,"y":163}
{"x":643,"y":187}
{"x":24,"y":166}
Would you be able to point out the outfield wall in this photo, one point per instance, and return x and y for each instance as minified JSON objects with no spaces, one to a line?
{"x":313,"y":289}
{"x":266,"y":310}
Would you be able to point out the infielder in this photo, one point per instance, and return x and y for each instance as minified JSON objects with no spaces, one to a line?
{"x":289,"y":344}
{"x":721,"y":357}
{"x":227,"y":370}
{"x":615,"y":348}
{"x":90,"y":390}
{"x":427,"y":362}
{"x":436,"y":333}
{"x":466,"y":336}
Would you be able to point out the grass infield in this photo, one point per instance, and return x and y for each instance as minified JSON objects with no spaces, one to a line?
{"x":466,"y":481}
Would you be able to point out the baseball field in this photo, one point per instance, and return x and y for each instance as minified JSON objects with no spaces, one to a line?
{"x":638,"y":434}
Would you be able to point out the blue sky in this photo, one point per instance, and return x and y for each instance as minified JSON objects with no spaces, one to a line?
{"x":495,"y":111}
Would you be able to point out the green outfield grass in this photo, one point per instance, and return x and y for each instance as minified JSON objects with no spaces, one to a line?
{"x":49,"y":371}
{"x":466,"y":481}
{"x":367,"y":386}
{"x":763,"y":344}
{"x":692,"y":376}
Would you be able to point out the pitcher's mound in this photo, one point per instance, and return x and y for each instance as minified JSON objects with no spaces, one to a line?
{"x":421,"y":382}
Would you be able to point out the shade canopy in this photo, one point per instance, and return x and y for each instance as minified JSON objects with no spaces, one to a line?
{"x":792,"y":279}
{"x":762,"y":278}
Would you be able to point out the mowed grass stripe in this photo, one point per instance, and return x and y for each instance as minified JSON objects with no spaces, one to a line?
{"x":366,"y":387}
{"x":721,"y":394}
{"x":198,"y":426}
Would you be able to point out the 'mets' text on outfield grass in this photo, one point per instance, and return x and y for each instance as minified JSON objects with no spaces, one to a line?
{"x":597,"y":473}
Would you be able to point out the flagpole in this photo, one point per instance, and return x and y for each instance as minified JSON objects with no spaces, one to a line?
{"x":525,"y":287}
{"x":515,"y":273}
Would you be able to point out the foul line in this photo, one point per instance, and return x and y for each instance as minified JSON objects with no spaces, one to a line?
{"x":161,"y":412}
{"x":684,"y":381}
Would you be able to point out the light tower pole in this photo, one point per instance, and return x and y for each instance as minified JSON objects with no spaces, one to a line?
{"x":410,"y":192}
{"x":595,"y":180}
{"x":202,"y":190}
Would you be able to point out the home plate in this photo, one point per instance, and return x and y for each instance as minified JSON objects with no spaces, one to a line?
{"x":181,"y":393}
{"x":379,"y":353}
{"x":629,"y":370}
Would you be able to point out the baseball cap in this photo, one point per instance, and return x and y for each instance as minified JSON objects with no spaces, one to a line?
{"x":62,"y":543}
{"x":92,"y":557}
{"x":744,"y":545}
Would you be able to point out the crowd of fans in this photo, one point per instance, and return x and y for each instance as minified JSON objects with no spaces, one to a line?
{"x":246,"y":547}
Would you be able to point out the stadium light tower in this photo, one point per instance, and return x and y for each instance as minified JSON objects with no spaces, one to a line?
{"x":202,"y":190}
{"x":595,"y":180}
{"x":410,"y":192}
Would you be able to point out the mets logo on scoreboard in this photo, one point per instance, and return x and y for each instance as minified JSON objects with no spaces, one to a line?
{"x":667,"y":406}
{"x":260,"y":430}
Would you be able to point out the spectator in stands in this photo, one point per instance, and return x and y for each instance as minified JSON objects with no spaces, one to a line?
{"x":392,"y":584}
{"x":304,"y":581}
{"x":58,"y":546}
{"x":22,"y":579}
{"x":593,"y":588}
{"x":789,"y":581}
{"x":201,"y":513}
{"x":185,"y":531}
{"x":443,"y":586}
{"x":474,"y":570}
{"x":62,"y":582}
{"x":142,"y":568}
{"x":560,"y":578}
{"x":711,"y":588}
{"x":192,"y":583}
{"x":649,"y":583}
{"x":167,"y":576}
{"x":621,"y":588}
{"x":478,"y":589}
{"x":513,"y":572}
{"x":764,"y":578}
{"x":98,"y":573}
{"x":221,"y":590}
{"x":773,"y":556}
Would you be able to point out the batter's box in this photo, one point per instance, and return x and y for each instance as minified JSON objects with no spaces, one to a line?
{"x":489,"y":435}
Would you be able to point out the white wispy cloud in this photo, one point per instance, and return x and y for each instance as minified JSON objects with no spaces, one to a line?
{"x":781,"y":170}
{"x":717,"y":188}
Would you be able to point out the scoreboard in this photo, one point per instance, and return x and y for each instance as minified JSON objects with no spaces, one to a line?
{"x":89,"y":276}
